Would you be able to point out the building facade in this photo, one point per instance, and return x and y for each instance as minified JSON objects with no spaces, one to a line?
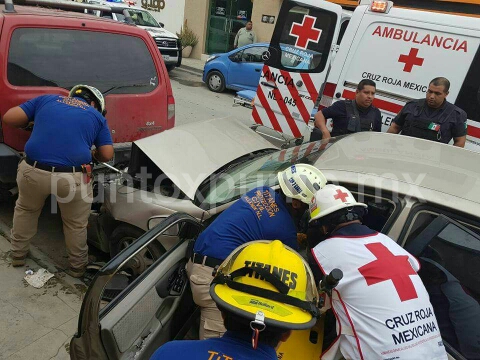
{"x":216,"y":22}
{"x":168,"y":12}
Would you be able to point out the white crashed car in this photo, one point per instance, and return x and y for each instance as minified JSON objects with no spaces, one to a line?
{"x":187,"y":169}
{"x":424,"y":195}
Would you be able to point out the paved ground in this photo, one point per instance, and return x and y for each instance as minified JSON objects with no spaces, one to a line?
{"x":36,"y":323}
{"x":194,"y":102}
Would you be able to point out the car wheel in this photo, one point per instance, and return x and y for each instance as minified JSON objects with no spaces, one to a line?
{"x":123,"y":236}
{"x":170,"y":67}
{"x":216,"y":81}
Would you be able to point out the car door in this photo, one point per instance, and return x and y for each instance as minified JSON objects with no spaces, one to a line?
{"x":449,"y":254}
{"x":296,"y":65}
{"x":244,"y":71}
{"x":147,"y":311}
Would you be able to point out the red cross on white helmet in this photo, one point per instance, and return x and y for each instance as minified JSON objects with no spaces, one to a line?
{"x":329,"y":199}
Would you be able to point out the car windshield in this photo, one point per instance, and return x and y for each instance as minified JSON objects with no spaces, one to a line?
{"x":239,"y":178}
{"x":140,"y":18}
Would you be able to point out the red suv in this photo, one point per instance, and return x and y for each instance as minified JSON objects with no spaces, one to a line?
{"x":49,"y":51}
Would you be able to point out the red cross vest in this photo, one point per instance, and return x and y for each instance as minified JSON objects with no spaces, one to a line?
{"x":382,"y":308}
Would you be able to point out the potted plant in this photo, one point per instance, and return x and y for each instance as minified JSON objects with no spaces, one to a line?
{"x":188,"y":39}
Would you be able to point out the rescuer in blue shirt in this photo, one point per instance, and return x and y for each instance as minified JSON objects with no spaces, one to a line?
{"x":272,"y":304}
{"x":57,"y":162}
{"x":259,"y":214}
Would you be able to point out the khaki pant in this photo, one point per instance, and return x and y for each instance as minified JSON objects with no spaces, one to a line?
{"x":74,"y":199}
{"x":211,"y":322}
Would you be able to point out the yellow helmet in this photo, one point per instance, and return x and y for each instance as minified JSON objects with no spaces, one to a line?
{"x":267,"y":278}
{"x":301,"y":182}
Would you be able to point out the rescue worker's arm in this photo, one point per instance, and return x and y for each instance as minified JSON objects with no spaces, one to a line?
{"x":459,"y":131}
{"x":320,"y":123}
{"x":301,"y":238}
{"x":103,"y":153}
{"x":460,"y":141}
{"x":16,"y":117}
{"x":398,"y":122}
{"x":394,"y":128}
{"x":103,"y":144}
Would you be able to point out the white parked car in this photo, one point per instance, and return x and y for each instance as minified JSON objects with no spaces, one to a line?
{"x":424,"y":195}
{"x":167,"y":42}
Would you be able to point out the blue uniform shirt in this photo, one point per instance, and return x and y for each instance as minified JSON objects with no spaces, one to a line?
{"x":65,"y":129}
{"x":261,"y":214}
{"x":338,"y":113}
{"x":453,"y":127}
{"x":231,"y":346}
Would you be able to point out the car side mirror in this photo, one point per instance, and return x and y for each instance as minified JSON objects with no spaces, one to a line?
{"x":161,"y":24}
{"x":156,"y":220}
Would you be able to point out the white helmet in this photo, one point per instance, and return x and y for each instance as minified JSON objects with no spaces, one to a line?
{"x":301,"y":181}
{"x":331,"y":198}
{"x":86,"y":92}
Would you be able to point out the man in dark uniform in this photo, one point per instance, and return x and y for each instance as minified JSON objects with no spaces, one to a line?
{"x":433,"y":118}
{"x":263,"y":290}
{"x":350,"y":116}
{"x":57,"y":162}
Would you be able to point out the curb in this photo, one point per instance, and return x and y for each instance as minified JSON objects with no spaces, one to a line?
{"x":191,"y":68}
{"x":77,"y":286}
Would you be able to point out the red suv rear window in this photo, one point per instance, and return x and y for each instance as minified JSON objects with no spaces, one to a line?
{"x":115,"y":62}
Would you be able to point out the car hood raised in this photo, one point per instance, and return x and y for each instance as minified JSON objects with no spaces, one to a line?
{"x":189,"y":154}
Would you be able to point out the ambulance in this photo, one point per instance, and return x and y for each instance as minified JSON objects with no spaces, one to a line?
{"x":400,"y":45}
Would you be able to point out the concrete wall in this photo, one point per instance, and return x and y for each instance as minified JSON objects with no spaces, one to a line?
{"x":264,"y":31}
{"x":169,"y":12}
{"x":196,"y":15}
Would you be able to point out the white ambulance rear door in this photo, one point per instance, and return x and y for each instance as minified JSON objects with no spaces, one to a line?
{"x":296,"y":65}
{"x":402,"y":51}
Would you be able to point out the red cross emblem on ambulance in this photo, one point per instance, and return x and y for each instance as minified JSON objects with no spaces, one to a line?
{"x":305,"y":32}
{"x":411,"y":60}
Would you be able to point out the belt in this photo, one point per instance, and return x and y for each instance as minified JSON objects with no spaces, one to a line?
{"x":66,"y":169}
{"x":205,"y":260}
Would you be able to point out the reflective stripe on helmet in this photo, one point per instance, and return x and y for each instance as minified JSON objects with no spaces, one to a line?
{"x":291,"y":185}
{"x":307,"y":182}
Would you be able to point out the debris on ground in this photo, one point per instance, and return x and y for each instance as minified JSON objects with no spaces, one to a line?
{"x":39,"y":278}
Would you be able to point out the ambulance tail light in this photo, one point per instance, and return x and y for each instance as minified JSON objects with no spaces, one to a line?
{"x":327,"y":96}
{"x":380,"y":6}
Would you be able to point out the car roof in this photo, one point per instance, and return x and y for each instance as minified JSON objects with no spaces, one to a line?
{"x":252,"y":45}
{"x":38,"y":10}
{"x":117,"y":5}
{"x":44,"y":11}
{"x":386,"y":159}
